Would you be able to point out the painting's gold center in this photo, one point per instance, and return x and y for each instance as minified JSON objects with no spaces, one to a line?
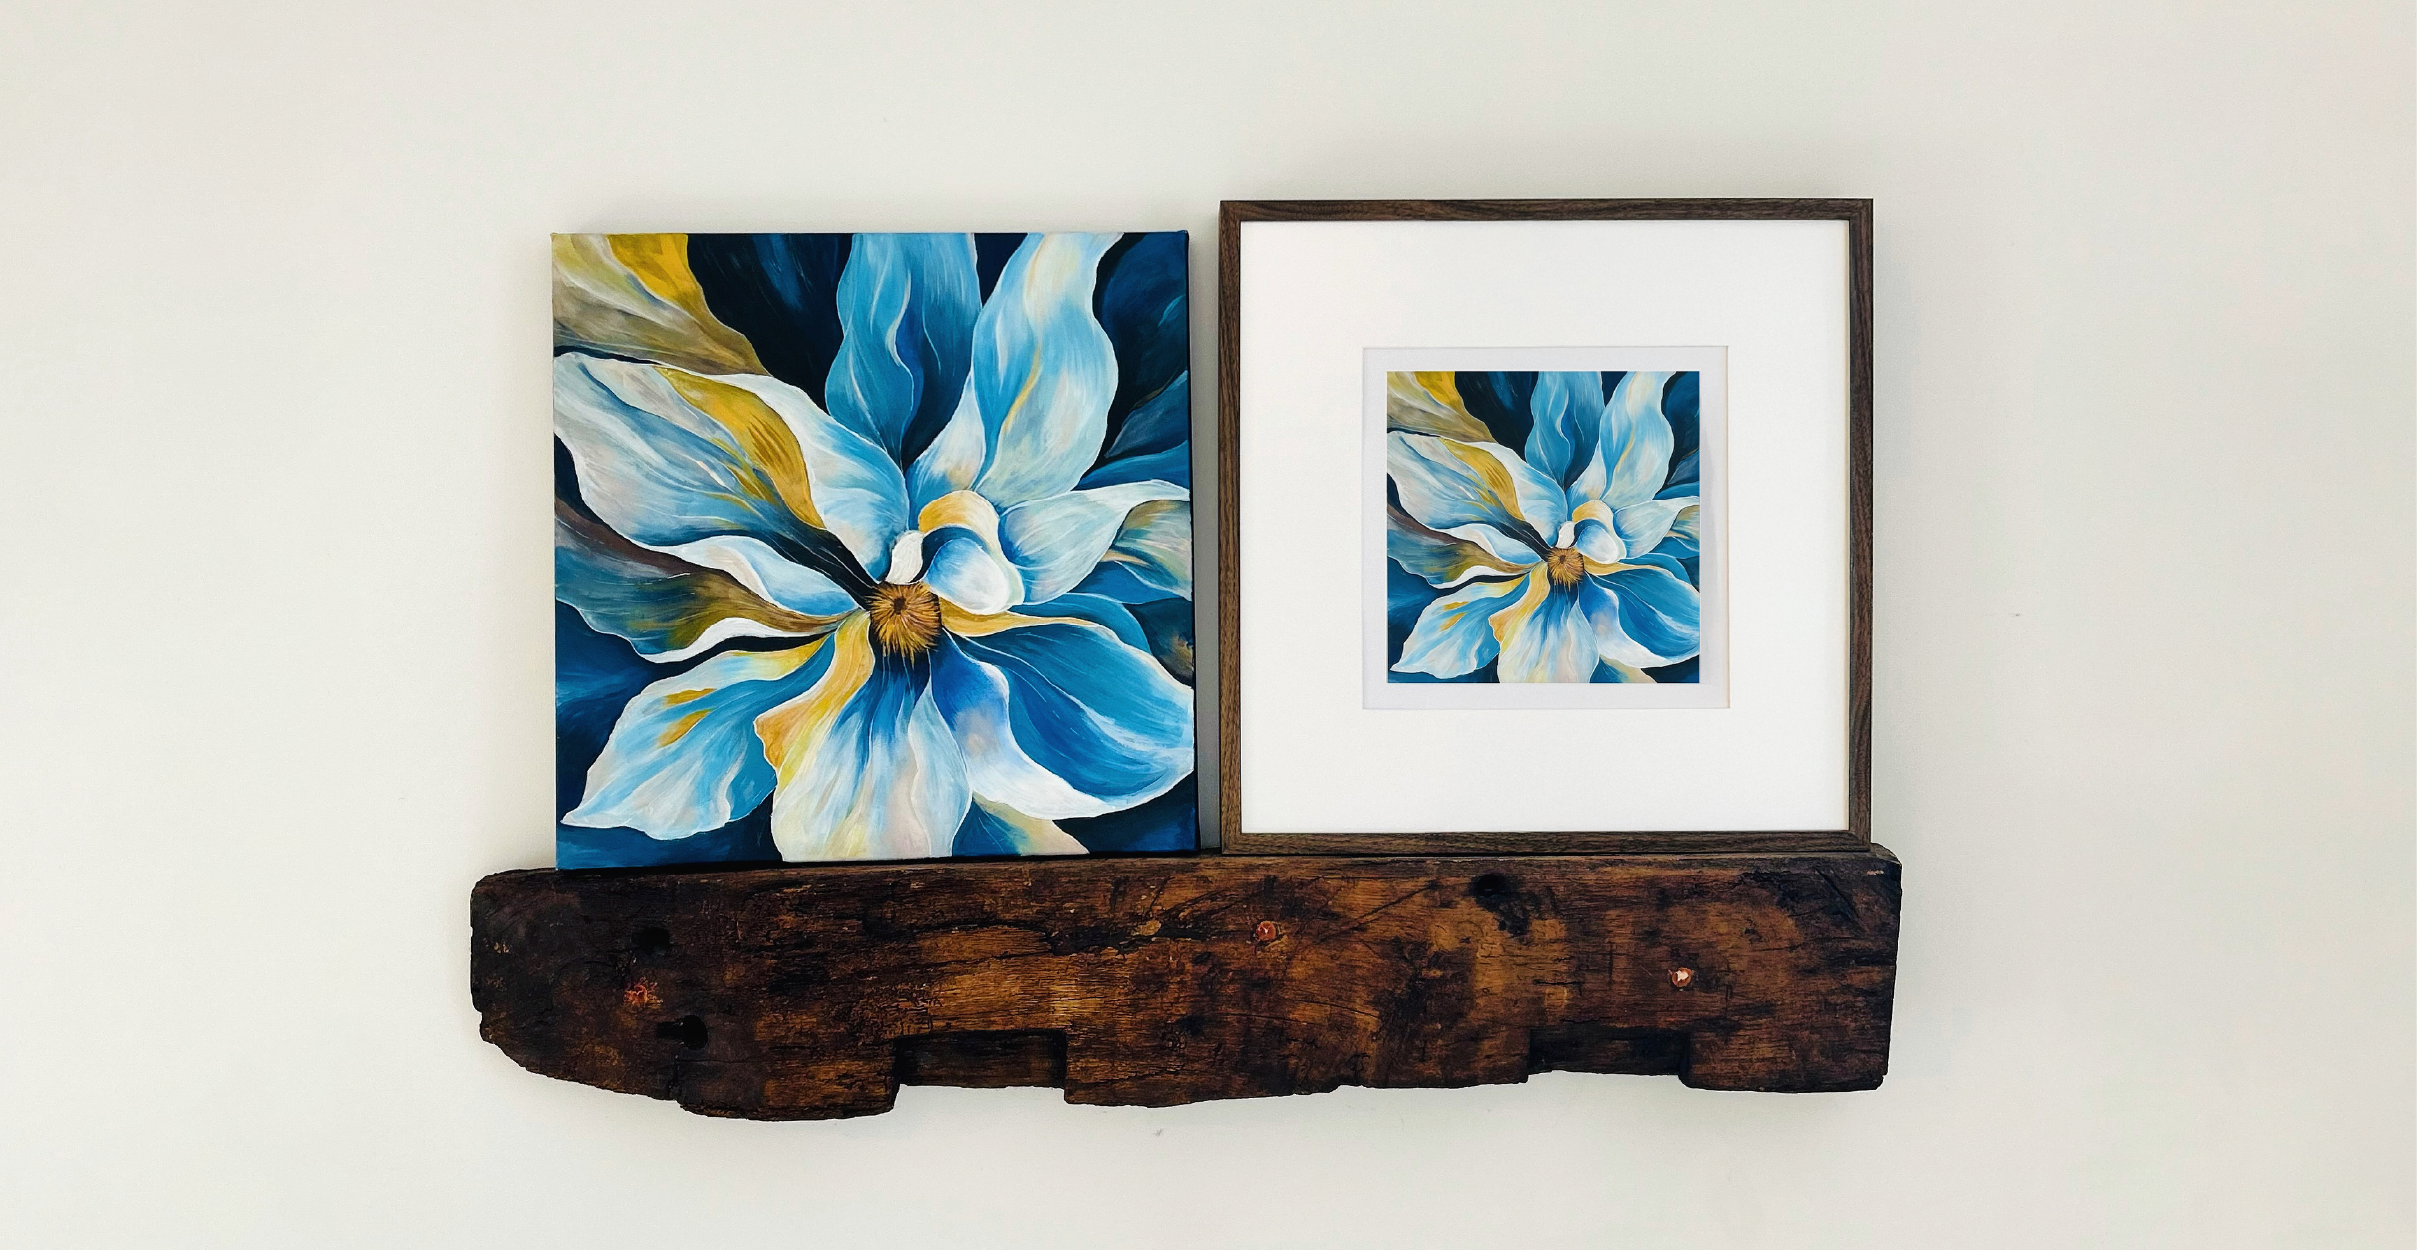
{"x":1565,"y":566}
{"x":905,"y":619}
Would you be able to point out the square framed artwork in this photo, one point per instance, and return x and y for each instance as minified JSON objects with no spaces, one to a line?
{"x":871,"y":546}
{"x":1548,"y":521}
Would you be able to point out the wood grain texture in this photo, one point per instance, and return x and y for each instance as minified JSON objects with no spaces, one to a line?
{"x":1857,"y":214}
{"x":814,"y":992}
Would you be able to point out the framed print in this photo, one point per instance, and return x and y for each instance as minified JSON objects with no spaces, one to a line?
{"x":872,"y":546}
{"x":1545,"y":526}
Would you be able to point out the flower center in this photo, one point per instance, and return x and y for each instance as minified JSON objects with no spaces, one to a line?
{"x":1565,"y":566}
{"x":905,"y":619}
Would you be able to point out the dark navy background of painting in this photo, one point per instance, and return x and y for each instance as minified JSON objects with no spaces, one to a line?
{"x":780,"y":291}
{"x":1500,"y":401}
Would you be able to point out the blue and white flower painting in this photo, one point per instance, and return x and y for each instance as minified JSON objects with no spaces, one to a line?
{"x":1542,"y":527}
{"x":871,"y":547}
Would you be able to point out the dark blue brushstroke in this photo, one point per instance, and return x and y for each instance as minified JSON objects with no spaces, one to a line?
{"x":594,"y":675}
{"x":1053,"y":724}
{"x":1500,"y":402}
{"x":747,"y":840}
{"x":983,"y":834}
{"x":1139,"y":299}
{"x":1167,"y":623}
{"x":566,"y":483}
{"x":1170,"y":822}
{"x":780,"y":291}
{"x":1681,"y":673}
{"x":991,"y":254}
{"x":1682,"y":404}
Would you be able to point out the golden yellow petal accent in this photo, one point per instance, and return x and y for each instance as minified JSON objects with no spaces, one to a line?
{"x":1593,"y":510}
{"x":961,"y":507}
{"x":791,"y":731}
{"x":1507,"y":621}
{"x":633,"y":295}
{"x":679,"y":728}
{"x":1430,"y":403}
{"x":1489,"y":470}
{"x":759,"y":438}
{"x":966,"y":624}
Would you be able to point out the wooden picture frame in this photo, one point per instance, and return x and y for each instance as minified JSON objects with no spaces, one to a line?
{"x":1856,"y":215}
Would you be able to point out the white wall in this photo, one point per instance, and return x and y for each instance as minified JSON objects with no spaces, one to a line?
{"x":273,"y":643}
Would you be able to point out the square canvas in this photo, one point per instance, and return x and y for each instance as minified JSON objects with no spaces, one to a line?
{"x":871,"y":546}
{"x":1544,"y":528}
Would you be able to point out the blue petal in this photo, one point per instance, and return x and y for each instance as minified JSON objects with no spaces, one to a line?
{"x":963,"y":570}
{"x":1632,"y":456}
{"x":1043,"y":370}
{"x":907,"y":303}
{"x":1568,"y":412}
{"x":1455,"y":634}
{"x":1406,"y":598}
{"x":1644,"y":524}
{"x":1643,"y":616}
{"x":1109,"y":614}
{"x":1120,"y":582}
{"x":664,"y":471}
{"x":866,"y":766}
{"x":1665,"y":562}
{"x":1472,"y":550}
{"x":954,"y":458}
{"x":1060,"y":718}
{"x":1555,"y":643}
{"x":670,"y":609}
{"x":1444,"y":483}
{"x":657,"y":468}
{"x":595,"y":673}
{"x":1057,"y":541}
{"x":1598,"y":542}
{"x":1684,"y":544}
{"x":684,"y":757}
{"x":857,"y":487}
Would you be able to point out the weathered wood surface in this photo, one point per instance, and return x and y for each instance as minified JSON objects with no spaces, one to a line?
{"x":814,"y":992}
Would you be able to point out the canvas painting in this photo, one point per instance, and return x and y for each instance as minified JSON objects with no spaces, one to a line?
{"x":871,"y":546}
{"x":1543,"y":532}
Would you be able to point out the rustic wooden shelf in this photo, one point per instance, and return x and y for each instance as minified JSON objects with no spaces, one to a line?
{"x":813,"y":992}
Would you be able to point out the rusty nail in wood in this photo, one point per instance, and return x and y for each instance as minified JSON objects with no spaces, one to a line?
{"x":1681,"y":978}
{"x":1266,"y":932}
